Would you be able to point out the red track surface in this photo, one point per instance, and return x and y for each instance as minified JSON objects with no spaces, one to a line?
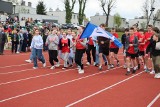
{"x":21,"y":86}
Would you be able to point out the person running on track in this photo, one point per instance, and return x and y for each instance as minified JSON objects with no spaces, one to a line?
{"x":37,"y":46}
{"x":131,"y":51}
{"x":113,"y":49}
{"x":52,"y":42}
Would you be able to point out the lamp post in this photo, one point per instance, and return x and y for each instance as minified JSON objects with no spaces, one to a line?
{"x":14,"y":6}
{"x":152,"y":9}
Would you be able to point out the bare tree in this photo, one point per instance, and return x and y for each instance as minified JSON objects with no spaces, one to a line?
{"x":148,"y":8}
{"x":82,"y":6}
{"x":155,"y":17}
{"x":107,"y":6}
{"x":69,"y":6}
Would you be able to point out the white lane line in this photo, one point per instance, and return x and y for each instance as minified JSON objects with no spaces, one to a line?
{"x":98,"y":92}
{"x":49,"y":87}
{"x":16,"y":71}
{"x":154,"y":100}
{"x":34,"y":77}
{"x":14,"y":65}
{"x":21,"y":71}
{"x":25,"y":69}
{"x":20,"y":54}
{"x":9,"y":66}
{"x":19,"y":65}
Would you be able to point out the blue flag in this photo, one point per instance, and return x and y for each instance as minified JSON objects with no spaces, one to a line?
{"x":93,"y":30}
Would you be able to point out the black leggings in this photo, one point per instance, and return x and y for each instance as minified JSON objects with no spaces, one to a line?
{"x":53,"y":56}
{"x":78,"y":57}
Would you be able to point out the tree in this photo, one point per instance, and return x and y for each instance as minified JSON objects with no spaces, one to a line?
{"x":107,"y":7}
{"x":148,"y":8}
{"x":155,"y":17}
{"x":117,"y":20}
{"x":82,"y":6}
{"x":69,"y":6}
{"x":41,"y":8}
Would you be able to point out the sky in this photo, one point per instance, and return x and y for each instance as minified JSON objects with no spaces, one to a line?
{"x":128,"y":9}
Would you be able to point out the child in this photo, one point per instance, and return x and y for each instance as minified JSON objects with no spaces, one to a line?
{"x":114,"y":49}
{"x":131,"y":51}
{"x":52,"y":42}
{"x":37,"y":46}
{"x":64,"y":44}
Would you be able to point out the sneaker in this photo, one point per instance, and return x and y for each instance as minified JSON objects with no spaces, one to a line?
{"x":134,"y":71}
{"x":88,"y":63}
{"x":109,"y":67}
{"x":152,"y":72}
{"x":124,"y":66}
{"x":44,"y":65}
{"x":112,"y":66}
{"x":81,"y":71}
{"x":29,"y":61}
{"x":94,"y":63}
{"x":78,"y":67}
{"x":100,"y":68}
{"x":145,"y":67}
{"x":64,"y":68}
{"x":157,"y":76}
{"x":57,"y":65}
{"x":118,"y":63}
{"x":52,"y":67}
{"x":127,"y":73}
{"x":17,"y":52}
{"x":35,"y":67}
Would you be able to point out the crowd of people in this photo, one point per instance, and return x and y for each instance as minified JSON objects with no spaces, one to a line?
{"x":139,"y":47}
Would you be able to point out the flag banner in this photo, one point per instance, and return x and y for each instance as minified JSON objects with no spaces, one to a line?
{"x":93,"y":30}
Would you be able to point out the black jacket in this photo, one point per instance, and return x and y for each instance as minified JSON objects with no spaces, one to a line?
{"x":135,"y":43}
{"x":3,"y":37}
{"x":123,"y":39}
{"x":17,"y":38}
{"x":151,"y":48}
{"x":105,"y":40}
{"x":60,"y":44}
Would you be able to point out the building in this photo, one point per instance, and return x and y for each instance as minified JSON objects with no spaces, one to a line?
{"x":142,"y":23}
{"x":61,"y":16}
{"x":40,"y":18}
{"x":3,"y":9}
{"x":99,"y":19}
{"x":25,"y":9}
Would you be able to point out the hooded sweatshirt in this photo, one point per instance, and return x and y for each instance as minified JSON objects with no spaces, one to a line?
{"x":52,"y":41}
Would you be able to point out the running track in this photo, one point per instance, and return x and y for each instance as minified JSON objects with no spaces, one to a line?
{"x":21,"y":86}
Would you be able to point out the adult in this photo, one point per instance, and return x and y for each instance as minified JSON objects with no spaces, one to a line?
{"x":3,"y":39}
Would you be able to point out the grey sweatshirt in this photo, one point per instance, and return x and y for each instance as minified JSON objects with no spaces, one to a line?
{"x":52,"y":41}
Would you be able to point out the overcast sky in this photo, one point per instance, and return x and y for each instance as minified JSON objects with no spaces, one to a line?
{"x":128,"y":9}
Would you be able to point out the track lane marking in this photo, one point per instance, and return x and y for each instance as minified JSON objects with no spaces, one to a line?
{"x":98,"y":92}
{"x":63,"y":83}
{"x":154,"y":100}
